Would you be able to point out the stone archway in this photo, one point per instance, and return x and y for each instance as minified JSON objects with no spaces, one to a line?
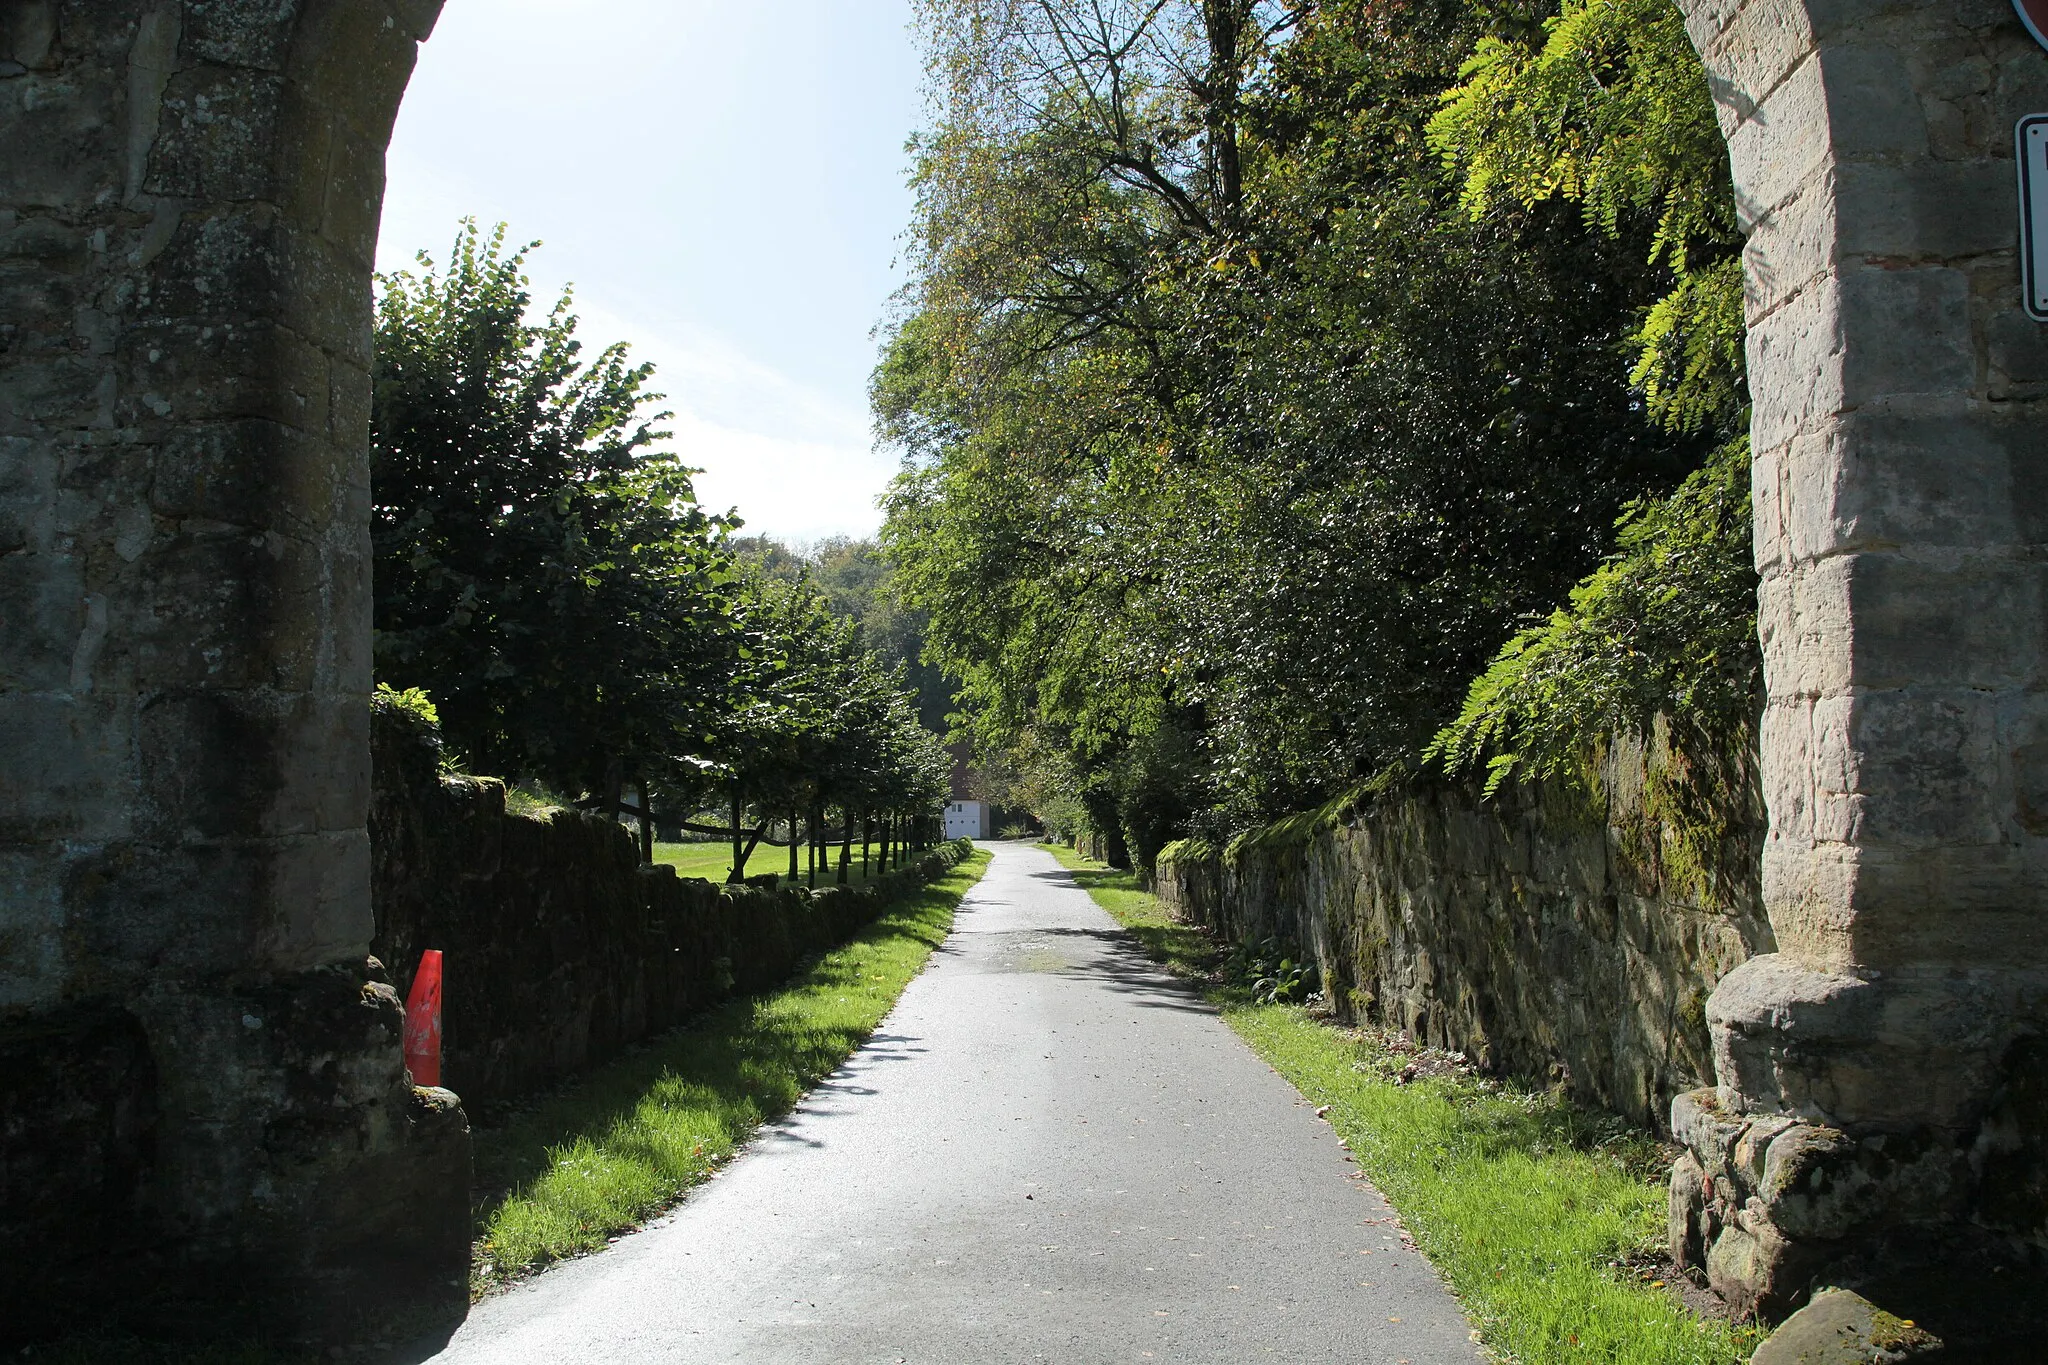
{"x":1869,"y":1072}
{"x":209,"y":1082}
{"x":189,"y":198}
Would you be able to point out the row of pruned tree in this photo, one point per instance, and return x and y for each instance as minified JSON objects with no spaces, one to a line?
{"x":545,"y":574}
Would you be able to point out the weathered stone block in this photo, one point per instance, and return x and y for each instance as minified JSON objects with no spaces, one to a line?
{"x":1795,"y":360}
{"x":1913,"y":332}
{"x":350,"y":58}
{"x":28,"y":496}
{"x":65,"y":777}
{"x":32,"y":927}
{"x":317,"y":898}
{"x":216,"y":137}
{"x":1842,"y":1328}
{"x":65,"y":145}
{"x":1757,"y":1270}
{"x":1943,"y":622}
{"x":240,"y":33}
{"x":1748,"y":56}
{"x":1686,"y":1230}
{"x":44,"y":626}
{"x":1923,"y":209}
{"x":1887,"y":478}
{"x":1782,"y":142}
{"x":2016,"y":355}
{"x":134,"y":912}
{"x":1991,"y":908}
{"x":194,"y":372}
{"x":1801,"y":616}
{"x":1891,"y":1052}
{"x":221,"y":264}
{"x":352,"y":197}
{"x":1791,"y":248}
{"x":1871,"y":108}
{"x":1821,"y":1185}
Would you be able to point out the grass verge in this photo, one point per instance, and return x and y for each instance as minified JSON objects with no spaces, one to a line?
{"x":1536,"y":1212}
{"x":636,"y":1135}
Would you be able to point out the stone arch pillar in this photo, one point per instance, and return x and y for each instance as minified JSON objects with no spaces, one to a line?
{"x":1874,"y":1075}
{"x":189,"y":203}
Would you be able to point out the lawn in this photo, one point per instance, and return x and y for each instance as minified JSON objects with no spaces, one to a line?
{"x":1544,"y":1218}
{"x":713,"y":861}
{"x":635,"y":1136}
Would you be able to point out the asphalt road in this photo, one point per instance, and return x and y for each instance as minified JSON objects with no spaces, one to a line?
{"x":1050,"y":1151}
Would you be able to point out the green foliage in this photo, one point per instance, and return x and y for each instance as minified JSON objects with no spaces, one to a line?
{"x":1667,"y":626}
{"x":583,"y":626}
{"x":1611,"y":110}
{"x":1235,"y":445}
{"x":540,"y":568}
{"x":1269,"y":972}
{"x":853,"y":578}
{"x":413,"y":703}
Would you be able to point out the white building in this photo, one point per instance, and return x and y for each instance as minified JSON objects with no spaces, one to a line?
{"x":967,"y":820}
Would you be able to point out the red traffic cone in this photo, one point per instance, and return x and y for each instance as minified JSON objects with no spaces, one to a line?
{"x":423,"y":1021}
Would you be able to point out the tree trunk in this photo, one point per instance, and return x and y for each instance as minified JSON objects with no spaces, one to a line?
{"x":613,"y":795}
{"x":792,"y":845}
{"x":845,"y":846}
{"x":819,"y":862}
{"x":646,"y":824}
{"x":739,"y":853}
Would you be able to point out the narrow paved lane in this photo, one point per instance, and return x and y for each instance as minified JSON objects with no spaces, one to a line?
{"x":1050,"y":1152}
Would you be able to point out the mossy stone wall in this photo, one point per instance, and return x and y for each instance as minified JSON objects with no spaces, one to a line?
{"x":1554,"y":935}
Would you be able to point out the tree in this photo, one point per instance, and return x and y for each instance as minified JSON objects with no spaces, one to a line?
{"x":1236,"y":442}
{"x":1610,"y":110}
{"x":542,"y":569}
{"x":854,"y":578}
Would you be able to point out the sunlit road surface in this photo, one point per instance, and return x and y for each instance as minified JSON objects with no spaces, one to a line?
{"x":1050,"y":1151}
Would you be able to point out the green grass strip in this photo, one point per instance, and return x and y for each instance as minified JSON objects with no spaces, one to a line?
{"x":1531,"y":1208}
{"x":636,"y":1135}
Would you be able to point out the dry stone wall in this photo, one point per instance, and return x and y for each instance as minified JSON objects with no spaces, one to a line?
{"x":561,"y":948}
{"x":1544,"y":934}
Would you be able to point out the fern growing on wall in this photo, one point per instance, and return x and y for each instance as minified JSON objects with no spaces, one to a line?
{"x":1667,"y":625}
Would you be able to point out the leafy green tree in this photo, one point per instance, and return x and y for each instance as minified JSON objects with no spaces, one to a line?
{"x":1610,"y":109}
{"x":854,"y":578}
{"x":542,"y":569}
{"x":1237,"y":444}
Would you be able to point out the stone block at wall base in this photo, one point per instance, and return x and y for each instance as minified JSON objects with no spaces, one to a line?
{"x":1843,"y":1328}
{"x":242,"y":1156}
{"x":1770,"y":1208}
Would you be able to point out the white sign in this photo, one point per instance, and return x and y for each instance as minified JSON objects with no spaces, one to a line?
{"x":2031,"y":144}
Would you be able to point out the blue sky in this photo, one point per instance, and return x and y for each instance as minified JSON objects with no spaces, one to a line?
{"x":722,"y":182}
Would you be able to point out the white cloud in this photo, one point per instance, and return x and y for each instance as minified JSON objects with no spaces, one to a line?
{"x":796,"y":464}
{"x":790,"y":489}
